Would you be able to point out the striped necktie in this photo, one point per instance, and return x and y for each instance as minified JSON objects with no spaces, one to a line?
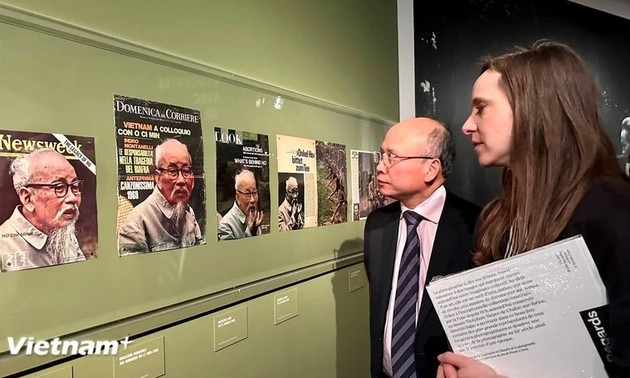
{"x":404,"y":323}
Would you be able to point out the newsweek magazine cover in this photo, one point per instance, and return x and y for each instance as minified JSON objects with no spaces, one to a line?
{"x":48,"y":213}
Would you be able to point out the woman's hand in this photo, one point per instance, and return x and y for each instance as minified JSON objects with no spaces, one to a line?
{"x":446,"y":371}
{"x":458,"y":366}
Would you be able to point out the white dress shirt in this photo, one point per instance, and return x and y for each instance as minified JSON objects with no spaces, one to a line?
{"x":430,"y":210}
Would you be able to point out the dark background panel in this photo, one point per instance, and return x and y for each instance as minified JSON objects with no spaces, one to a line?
{"x":452,"y":36}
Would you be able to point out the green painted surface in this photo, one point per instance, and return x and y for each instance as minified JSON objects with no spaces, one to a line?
{"x":61,"y":86}
{"x":287,"y":305}
{"x":330,"y":50}
{"x":230,"y":327}
{"x":328,"y":339}
{"x":356,"y":278}
{"x":63,"y":372}
{"x":344,"y":52}
{"x":144,"y":358}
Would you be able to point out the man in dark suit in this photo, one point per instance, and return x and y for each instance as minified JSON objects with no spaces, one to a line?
{"x":416,"y":156}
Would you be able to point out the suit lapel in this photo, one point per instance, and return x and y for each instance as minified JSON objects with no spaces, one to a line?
{"x":443,"y":249}
{"x":388,"y":256}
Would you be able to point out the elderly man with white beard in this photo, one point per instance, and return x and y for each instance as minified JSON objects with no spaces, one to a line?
{"x":290,"y":215}
{"x":41,"y":230}
{"x":164,"y":220}
{"x":244,"y":218}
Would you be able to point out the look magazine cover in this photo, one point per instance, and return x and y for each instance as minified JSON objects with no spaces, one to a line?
{"x":243,"y":201}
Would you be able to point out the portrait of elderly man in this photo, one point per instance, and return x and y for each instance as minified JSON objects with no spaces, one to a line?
{"x":290,"y":214}
{"x":164,"y":220}
{"x":244,"y":218}
{"x":41,"y":230}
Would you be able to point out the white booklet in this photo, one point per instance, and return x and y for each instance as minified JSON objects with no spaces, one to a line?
{"x":539,"y":314}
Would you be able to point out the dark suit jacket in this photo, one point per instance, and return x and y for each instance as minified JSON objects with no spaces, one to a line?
{"x":603,"y":219}
{"x":451,"y":253}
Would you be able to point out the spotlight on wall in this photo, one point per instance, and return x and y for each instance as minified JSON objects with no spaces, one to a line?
{"x":278,"y":103}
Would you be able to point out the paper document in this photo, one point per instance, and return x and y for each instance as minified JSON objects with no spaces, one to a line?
{"x":540,"y":314}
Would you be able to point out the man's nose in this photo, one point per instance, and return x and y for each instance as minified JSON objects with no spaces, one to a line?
{"x":180,"y":178}
{"x":72,"y":198}
{"x":469,"y":126}
{"x":380,"y":167}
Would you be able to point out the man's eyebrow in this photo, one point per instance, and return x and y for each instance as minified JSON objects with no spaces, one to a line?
{"x":175,"y":165}
{"x":390,"y":151}
{"x":63,"y":179}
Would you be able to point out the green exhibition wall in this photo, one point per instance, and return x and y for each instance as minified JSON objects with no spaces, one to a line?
{"x":344,"y":52}
{"x":327,"y":339}
{"x":333,"y":64}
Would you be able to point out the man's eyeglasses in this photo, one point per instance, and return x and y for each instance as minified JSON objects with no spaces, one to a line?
{"x":60,"y":188}
{"x":173,"y":172}
{"x":249,"y":195}
{"x":390,"y":159}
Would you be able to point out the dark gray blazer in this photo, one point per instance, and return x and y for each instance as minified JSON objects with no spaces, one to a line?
{"x":451,"y":253}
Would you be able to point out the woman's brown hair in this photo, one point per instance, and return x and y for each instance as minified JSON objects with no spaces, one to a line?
{"x":558,"y":148}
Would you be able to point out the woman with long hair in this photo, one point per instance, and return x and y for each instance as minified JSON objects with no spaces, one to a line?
{"x":535,"y":113}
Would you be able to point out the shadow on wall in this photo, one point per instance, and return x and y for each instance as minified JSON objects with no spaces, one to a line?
{"x":351,"y":312}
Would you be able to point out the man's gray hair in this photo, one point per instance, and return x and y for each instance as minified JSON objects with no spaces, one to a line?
{"x":440,"y":144}
{"x":291,"y":180}
{"x":20,"y":168}
{"x":242,"y":175}
{"x":159,"y":150}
